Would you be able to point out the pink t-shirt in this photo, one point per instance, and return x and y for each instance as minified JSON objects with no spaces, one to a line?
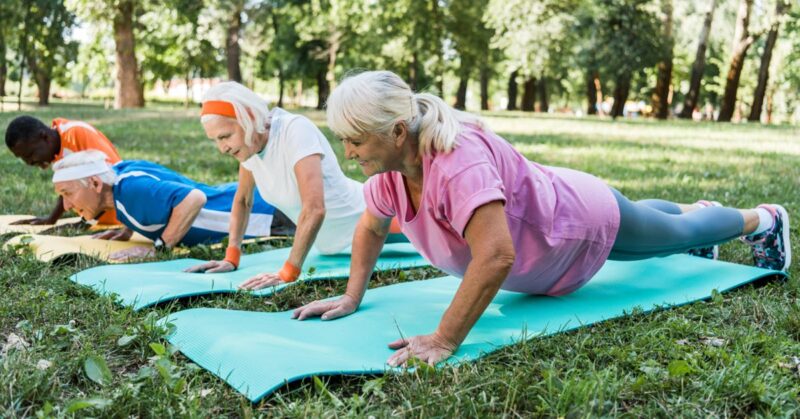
{"x":563,"y":222}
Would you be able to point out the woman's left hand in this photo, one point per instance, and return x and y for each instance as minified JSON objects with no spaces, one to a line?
{"x":427,"y":348}
{"x":268,"y":279}
{"x":137,"y":252}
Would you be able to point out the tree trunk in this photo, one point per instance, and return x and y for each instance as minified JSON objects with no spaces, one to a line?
{"x":484,"y":88}
{"x":3,"y":65}
{"x":334,"y":42}
{"x":742,"y":42}
{"x":690,"y":101}
{"x":591,"y":93}
{"x":544,"y":100}
{"x":43,"y":83}
{"x":281,"y":83}
{"x":763,"y":71}
{"x":232,"y":48}
{"x":770,"y":104}
{"x":188,"y":89}
{"x":461,"y":94}
{"x":437,"y":29}
{"x":529,"y":94}
{"x":660,"y":99}
{"x":323,"y":88}
{"x":412,"y":72}
{"x":127,"y":87}
{"x":621,"y":91}
{"x":512,"y":91}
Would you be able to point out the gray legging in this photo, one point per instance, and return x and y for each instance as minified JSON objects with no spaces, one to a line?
{"x":654,"y":227}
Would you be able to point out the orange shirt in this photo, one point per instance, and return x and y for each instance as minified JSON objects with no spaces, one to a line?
{"x":80,"y":136}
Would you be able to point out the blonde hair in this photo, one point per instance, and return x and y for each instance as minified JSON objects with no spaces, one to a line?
{"x":375,"y":101}
{"x":87,"y":157}
{"x":252,"y":111}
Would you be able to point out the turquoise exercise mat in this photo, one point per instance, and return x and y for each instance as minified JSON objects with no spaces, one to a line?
{"x":145,"y":284}
{"x":256,"y":353}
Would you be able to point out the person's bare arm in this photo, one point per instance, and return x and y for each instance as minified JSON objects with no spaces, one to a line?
{"x":308,"y":171}
{"x":368,"y":241}
{"x":493,"y":255}
{"x":240,"y":215}
{"x":55,"y":214}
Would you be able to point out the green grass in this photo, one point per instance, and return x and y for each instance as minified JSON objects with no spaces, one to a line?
{"x":654,"y":364}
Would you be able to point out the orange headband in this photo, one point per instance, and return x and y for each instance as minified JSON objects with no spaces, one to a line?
{"x":218,"y":107}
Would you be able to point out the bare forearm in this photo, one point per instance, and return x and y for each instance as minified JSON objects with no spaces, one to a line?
{"x":367,"y":245}
{"x":308,"y":224}
{"x":240,"y":217}
{"x":481,"y":282}
{"x":57,"y":211}
{"x":182,"y":217}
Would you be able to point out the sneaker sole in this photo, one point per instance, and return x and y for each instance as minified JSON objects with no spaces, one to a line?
{"x":787,"y":246}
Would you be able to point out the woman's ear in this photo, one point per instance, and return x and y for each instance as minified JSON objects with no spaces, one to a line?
{"x":400,"y":132}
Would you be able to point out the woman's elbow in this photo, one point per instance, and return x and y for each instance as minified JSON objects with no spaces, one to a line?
{"x":505,"y":257}
{"x":316,"y":211}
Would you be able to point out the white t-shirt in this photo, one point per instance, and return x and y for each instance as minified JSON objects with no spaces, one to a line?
{"x":291,"y":138}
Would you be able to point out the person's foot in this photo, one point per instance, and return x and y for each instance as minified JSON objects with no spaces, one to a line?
{"x":711,"y":252}
{"x":771,"y":248}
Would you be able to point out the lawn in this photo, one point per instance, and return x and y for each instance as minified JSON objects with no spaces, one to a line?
{"x":739,"y":351}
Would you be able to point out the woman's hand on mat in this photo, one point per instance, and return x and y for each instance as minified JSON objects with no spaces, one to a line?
{"x":137,"y":252}
{"x":35,"y":221}
{"x":268,"y":279}
{"x":212,"y":267}
{"x":427,"y":348}
{"x":115,"y":234}
{"x":328,"y":309}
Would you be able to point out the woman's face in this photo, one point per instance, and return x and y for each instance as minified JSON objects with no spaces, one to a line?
{"x":374,"y":153}
{"x":228,"y":135}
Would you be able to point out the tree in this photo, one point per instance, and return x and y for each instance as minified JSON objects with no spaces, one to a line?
{"x":660,"y":98}
{"x":233,"y":53}
{"x":629,"y":42}
{"x":470,"y":37}
{"x":742,"y":41}
{"x":698,"y":67}
{"x":47,"y":53}
{"x":537,"y":39}
{"x":781,"y":7}
{"x":121,"y":15}
{"x":512,"y":91}
{"x":10,"y":15}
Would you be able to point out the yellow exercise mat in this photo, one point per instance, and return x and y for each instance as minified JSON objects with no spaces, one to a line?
{"x":47,"y":248}
{"x":6,"y":227}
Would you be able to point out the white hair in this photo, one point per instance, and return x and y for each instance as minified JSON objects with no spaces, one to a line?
{"x":87,"y":157}
{"x":375,"y":101}
{"x":252,"y":111}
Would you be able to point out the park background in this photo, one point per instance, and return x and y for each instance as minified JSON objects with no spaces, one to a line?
{"x":725,"y":60}
{"x":124,"y":66}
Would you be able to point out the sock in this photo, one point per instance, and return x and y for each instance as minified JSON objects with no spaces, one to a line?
{"x":765,"y":221}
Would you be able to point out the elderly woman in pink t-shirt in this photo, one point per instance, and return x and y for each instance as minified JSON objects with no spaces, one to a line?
{"x":478,"y":209}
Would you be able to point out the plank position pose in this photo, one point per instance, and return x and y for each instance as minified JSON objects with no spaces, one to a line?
{"x":286,"y":157}
{"x":478,"y":209}
{"x":38,"y":145}
{"x":154,"y":201}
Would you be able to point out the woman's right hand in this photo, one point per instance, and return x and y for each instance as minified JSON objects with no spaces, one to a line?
{"x":328,"y":309}
{"x":212,"y":267}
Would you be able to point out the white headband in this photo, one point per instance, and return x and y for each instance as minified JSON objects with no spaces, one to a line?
{"x":82,"y":171}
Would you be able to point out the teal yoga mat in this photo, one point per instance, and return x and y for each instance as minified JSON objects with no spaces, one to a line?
{"x":256,"y":353}
{"x":145,"y":284}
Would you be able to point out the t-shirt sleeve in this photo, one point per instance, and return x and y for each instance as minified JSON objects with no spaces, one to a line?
{"x":150,"y":201}
{"x":85,"y":138}
{"x":378,"y":194}
{"x":469,"y":190}
{"x":303,"y":139}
